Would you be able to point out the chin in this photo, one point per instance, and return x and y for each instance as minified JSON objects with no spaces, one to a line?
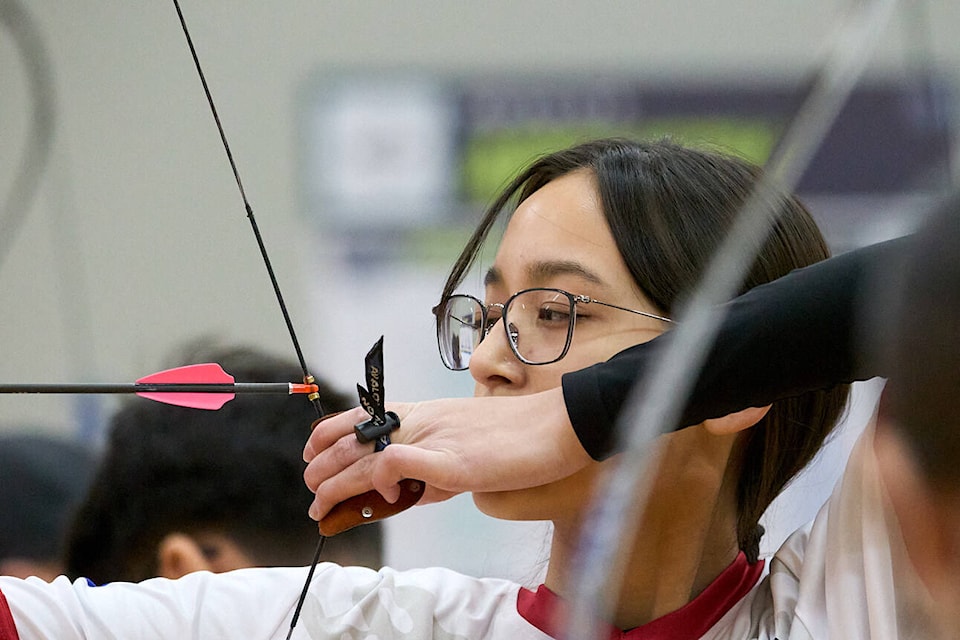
{"x":499,"y":504}
{"x":556,"y":500}
{"x":561,"y":501}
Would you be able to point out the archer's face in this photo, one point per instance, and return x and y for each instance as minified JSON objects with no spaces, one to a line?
{"x":558,"y":238}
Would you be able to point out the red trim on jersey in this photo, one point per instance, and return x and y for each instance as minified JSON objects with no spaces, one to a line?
{"x":543,"y":608}
{"x":8,"y":629}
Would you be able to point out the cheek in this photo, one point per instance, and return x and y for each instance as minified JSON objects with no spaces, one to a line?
{"x":591,"y":349}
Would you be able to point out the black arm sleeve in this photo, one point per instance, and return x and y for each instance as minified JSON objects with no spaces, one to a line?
{"x":790,"y":336}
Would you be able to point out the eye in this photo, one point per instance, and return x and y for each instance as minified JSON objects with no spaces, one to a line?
{"x":554,"y":313}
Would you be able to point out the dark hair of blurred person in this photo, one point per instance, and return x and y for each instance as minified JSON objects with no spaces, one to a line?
{"x":918,"y":435}
{"x":42,"y":479}
{"x":181,"y":490}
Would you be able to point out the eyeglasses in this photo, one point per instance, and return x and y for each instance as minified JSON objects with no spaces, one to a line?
{"x":539,"y":324}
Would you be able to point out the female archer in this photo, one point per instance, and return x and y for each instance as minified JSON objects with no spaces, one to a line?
{"x":602,"y":243}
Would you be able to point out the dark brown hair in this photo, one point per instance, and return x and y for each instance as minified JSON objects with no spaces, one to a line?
{"x":237,"y":472}
{"x":669,"y":207}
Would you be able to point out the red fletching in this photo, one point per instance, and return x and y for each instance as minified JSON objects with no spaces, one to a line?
{"x":207,"y":373}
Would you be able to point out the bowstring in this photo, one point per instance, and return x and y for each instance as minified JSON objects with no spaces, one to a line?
{"x":307,"y":378}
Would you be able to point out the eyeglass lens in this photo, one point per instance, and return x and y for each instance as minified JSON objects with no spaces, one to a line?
{"x":539,"y":323}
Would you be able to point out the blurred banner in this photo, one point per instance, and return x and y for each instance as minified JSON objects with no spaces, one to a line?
{"x":400,"y":152}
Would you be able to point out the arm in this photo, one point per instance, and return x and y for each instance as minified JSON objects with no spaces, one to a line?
{"x":780,"y":339}
{"x":253,"y":603}
{"x":796,"y":334}
{"x":343,"y":602}
{"x":453,"y":445}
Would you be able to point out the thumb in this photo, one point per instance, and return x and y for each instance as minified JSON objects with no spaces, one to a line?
{"x":437,"y":469}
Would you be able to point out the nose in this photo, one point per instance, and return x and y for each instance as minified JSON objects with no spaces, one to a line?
{"x":494,"y":366}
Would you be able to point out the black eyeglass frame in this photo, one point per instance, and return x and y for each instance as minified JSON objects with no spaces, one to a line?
{"x":573,"y":298}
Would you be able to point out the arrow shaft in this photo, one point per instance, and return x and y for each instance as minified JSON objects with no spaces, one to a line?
{"x":179,"y":387}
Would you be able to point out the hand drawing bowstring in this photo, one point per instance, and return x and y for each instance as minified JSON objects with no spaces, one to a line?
{"x":658,"y":399}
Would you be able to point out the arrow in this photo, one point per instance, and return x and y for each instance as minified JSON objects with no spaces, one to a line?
{"x":198,"y":386}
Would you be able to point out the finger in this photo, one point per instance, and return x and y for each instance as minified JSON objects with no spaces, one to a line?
{"x":369,"y":507}
{"x":390,"y":466}
{"x":329,"y":429}
{"x":398,"y":462}
{"x":334,"y":459}
{"x":351,"y":481}
{"x":393,"y":464}
{"x":438,"y":469}
{"x":402,"y":409}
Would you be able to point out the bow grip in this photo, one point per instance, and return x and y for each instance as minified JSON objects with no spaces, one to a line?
{"x":369,"y":507}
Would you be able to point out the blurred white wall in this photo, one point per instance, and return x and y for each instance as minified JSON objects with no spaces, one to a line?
{"x":137,"y":239}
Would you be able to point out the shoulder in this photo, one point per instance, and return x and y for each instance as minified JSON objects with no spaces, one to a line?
{"x":768,"y":612}
{"x":836,"y":577}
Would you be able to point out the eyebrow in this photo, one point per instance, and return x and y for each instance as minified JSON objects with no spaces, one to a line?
{"x":546,"y":269}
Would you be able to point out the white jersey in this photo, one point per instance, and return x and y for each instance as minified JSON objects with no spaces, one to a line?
{"x":343,"y":603}
{"x":845,"y":576}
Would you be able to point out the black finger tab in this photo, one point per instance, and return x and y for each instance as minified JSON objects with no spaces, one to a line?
{"x":372,"y":429}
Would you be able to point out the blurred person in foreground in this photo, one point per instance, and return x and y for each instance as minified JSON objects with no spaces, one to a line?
{"x":917,"y":308}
